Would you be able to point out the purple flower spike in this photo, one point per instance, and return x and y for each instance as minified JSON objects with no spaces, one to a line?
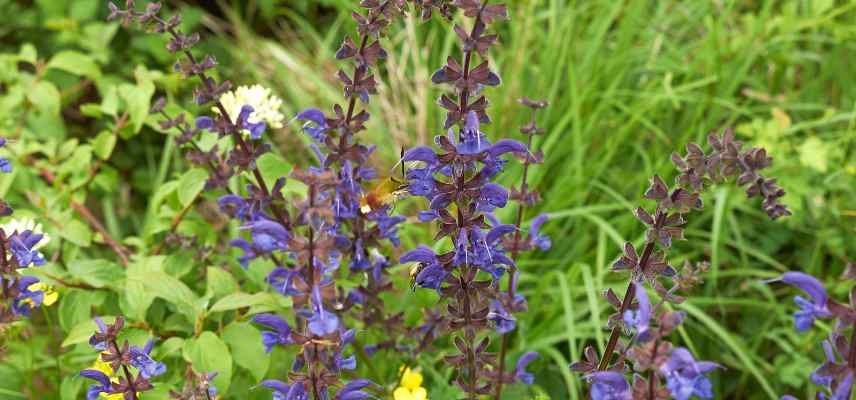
{"x":520,"y":372}
{"x":640,"y":318}
{"x":608,"y":385}
{"x":322,"y":322}
{"x":810,"y":309}
{"x":281,"y":334}
{"x":685,"y":376}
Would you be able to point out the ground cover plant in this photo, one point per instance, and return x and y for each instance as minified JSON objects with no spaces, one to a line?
{"x":426,"y":199}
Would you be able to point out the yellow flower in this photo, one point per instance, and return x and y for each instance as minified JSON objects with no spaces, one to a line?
{"x":406,"y":394}
{"x":265,"y":105}
{"x":411,"y":386}
{"x":103,"y":366}
{"x":411,"y":379}
{"x":50,"y":294}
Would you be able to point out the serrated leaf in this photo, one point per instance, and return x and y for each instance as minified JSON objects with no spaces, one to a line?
{"x":173,"y":291}
{"x":190,"y":184}
{"x":76,"y":63}
{"x":245,"y":341}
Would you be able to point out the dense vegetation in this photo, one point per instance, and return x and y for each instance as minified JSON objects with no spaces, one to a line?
{"x":134,"y":223}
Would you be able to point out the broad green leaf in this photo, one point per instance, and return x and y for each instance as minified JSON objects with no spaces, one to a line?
{"x":137,"y":102}
{"x":208,"y":353}
{"x":238,"y":300}
{"x":76,"y":63}
{"x":75,"y":306}
{"x":45,"y":98}
{"x":171,"y":346}
{"x":138,"y":298}
{"x":245,"y":341}
{"x":273,"y":167}
{"x":103,"y":144}
{"x":95,"y":272}
{"x":220,"y":282}
{"x":76,"y":232}
{"x":190,"y":184}
{"x":173,"y":291}
{"x":81,"y":332}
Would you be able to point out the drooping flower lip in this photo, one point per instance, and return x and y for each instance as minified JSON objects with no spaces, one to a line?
{"x":806,"y":283}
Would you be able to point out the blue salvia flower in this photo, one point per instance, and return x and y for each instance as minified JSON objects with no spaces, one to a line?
{"x":812,"y":308}
{"x":315,"y":123}
{"x":5,"y":165}
{"x":640,"y":318}
{"x":609,"y":385}
{"x":520,"y":371}
{"x":103,"y":384}
{"x":22,"y":245}
{"x":281,"y":334}
{"x":685,"y":377}
{"x":321,"y":322}
{"x":284,"y":391}
{"x":142,"y":361}
{"x":354,"y":390}
{"x":536,"y":239}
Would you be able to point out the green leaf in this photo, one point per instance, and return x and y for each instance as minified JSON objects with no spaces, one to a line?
{"x":70,"y":387}
{"x":95,"y":272}
{"x":235,"y":301}
{"x":190,"y":184}
{"x":81,"y":332}
{"x":169,"y":347}
{"x":272,"y":167}
{"x":76,"y":63}
{"x":208,"y":353}
{"x":137,"y":299}
{"x":137,"y":102}
{"x":76,"y":232}
{"x":220,"y":282}
{"x":45,"y":98}
{"x":245,"y":341}
{"x":76,"y":307}
{"x":103,"y":144}
{"x":173,"y":291}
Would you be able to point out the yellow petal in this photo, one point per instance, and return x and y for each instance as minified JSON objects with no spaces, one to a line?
{"x":420,"y":394}
{"x":411,"y":379}
{"x":402,"y":394}
{"x":51,"y":297}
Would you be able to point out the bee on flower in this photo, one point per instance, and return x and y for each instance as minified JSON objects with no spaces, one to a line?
{"x":410,"y":386}
{"x":265,"y":106}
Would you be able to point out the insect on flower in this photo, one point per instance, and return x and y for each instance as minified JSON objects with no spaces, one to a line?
{"x":385,"y":193}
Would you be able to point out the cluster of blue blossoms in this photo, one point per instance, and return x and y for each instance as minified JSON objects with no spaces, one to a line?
{"x":19,"y":243}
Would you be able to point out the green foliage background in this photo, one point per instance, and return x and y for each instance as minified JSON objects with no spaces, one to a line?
{"x":629,"y":82}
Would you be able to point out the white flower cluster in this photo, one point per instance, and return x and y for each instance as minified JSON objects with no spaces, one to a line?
{"x":26,"y":224}
{"x":265,"y":105}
